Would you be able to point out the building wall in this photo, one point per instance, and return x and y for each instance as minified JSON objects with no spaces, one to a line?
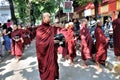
{"x":4,"y":11}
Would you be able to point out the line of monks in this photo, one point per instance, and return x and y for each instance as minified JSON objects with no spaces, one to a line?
{"x":21,"y":39}
{"x":47,"y":48}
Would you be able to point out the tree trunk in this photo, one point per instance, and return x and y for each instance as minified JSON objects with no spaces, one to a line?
{"x":12,"y":11}
{"x":96,"y":4}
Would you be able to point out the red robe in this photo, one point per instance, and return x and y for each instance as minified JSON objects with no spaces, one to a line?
{"x":17,"y":46}
{"x":31,"y":33}
{"x":116,"y":36}
{"x":46,"y":52}
{"x":26,"y":37}
{"x":71,"y":43}
{"x":86,"y":43}
{"x":64,"y":50}
{"x":101,"y":45}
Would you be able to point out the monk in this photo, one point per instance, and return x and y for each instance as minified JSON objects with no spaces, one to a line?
{"x":46,"y":51}
{"x":116,"y":37}
{"x":71,"y":42}
{"x":101,"y":46}
{"x":17,"y":43}
{"x":26,"y":37}
{"x":64,"y":50}
{"x":86,"y":43}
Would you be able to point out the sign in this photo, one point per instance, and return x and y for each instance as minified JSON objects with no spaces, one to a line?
{"x":87,"y":12}
{"x":68,"y":8}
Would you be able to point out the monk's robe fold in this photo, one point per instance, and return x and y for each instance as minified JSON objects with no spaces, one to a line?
{"x":101,"y":45}
{"x":116,"y":36}
{"x":63,"y":50}
{"x":26,"y":36}
{"x":86,"y":43}
{"x":46,"y":52}
{"x":17,"y":46}
{"x":71,"y":43}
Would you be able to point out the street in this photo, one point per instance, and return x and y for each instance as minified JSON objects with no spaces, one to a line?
{"x":27,"y":69}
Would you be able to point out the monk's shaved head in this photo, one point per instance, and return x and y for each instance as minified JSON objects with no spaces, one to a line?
{"x":46,"y":17}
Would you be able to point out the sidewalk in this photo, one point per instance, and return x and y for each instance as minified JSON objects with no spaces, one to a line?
{"x":111,"y":63}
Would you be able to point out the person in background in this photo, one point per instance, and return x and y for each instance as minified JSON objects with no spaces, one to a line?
{"x":101,"y":45}
{"x":116,"y":37}
{"x":76,"y":24}
{"x":1,"y":44}
{"x":1,"y":27}
{"x":7,"y":41}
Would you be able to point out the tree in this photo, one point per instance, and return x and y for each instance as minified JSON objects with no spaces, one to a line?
{"x":12,"y":11}
{"x":32,"y":9}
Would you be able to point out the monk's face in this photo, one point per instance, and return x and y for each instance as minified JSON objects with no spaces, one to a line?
{"x":14,"y":27}
{"x":19,"y":27}
{"x":100,"y":24}
{"x":46,"y":18}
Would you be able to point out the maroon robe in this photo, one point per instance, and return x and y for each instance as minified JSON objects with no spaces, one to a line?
{"x":26,"y":37}
{"x":71,"y":43}
{"x":64,"y":50}
{"x":17,"y":46}
{"x":31,"y":33}
{"x":116,"y":36}
{"x":46,"y":52}
{"x":86,"y":43}
{"x":101,"y":45}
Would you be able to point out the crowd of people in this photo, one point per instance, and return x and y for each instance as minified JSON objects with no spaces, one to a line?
{"x":15,"y":38}
{"x":94,"y":40}
{"x":91,"y":37}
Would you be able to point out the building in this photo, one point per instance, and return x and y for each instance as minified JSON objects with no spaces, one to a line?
{"x":106,"y":8}
{"x":4,"y":11}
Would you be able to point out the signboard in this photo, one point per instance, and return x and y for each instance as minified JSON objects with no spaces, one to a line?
{"x":68,"y":8}
{"x":87,"y":12}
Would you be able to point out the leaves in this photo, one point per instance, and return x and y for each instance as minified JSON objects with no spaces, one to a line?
{"x":34,"y":8}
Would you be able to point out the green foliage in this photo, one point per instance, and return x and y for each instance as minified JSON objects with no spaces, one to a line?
{"x":32,"y":10}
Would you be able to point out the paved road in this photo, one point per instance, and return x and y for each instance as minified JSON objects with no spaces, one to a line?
{"x":27,"y":69}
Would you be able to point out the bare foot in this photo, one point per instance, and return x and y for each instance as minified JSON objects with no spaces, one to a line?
{"x":85,"y":66}
{"x":118,"y":59}
{"x":99,"y":70}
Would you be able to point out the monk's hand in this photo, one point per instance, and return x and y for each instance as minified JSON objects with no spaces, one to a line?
{"x":56,"y":41}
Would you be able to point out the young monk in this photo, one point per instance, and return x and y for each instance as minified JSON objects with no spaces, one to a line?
{"x":17,"y":43}
{"x":101,"y":46}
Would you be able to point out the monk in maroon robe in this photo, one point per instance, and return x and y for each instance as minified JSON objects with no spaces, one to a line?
{"x":71,"y":42}
{"x":86,"y":42}
{"x":101,"y":46}
{"x":116,"y":37}
{"x":64,"y":50}
{"x":26,"y":36}
{"x":17,"y":43}
{"x":46,"y":51}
